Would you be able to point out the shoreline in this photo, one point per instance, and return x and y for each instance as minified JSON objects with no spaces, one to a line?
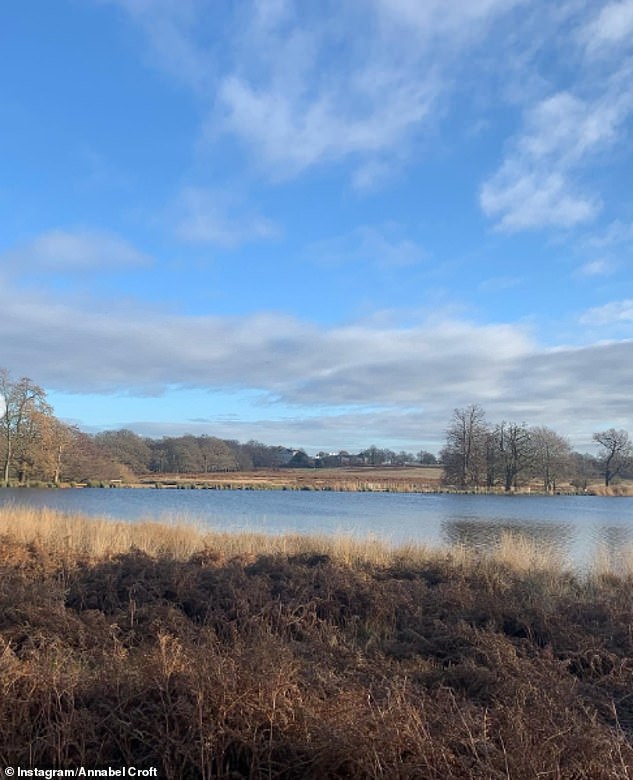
{"x":410,"y":479}
{"x":613,"y":491}
{"x":366,"y":479}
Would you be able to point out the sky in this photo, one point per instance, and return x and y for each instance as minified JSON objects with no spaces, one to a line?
{"x":319,"y":224}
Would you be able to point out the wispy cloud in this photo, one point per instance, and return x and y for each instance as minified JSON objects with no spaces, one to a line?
{"x":616,"y":312}
{"x":616,"y":234}
{"x":454,"y":22}
{"x":288,"y":132}
{"x":74,"y":251}
{"x":535,"y":186}
{"x":278,"y":89}
{"x":300,"y":106}
{"x":542,"y":181}
{"x":212,"y":217}
{"x":382,"y":245}
{"x":171,"y":30}
{"x":611,"y":29}
{"x":498,"y":284}
{"x":600,"y":267}
{"x":525,"y":200}
{"x":608,"y":249}
{"x":301,"y":86}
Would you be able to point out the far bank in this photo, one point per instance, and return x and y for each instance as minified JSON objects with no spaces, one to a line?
{"x":379,"y":479}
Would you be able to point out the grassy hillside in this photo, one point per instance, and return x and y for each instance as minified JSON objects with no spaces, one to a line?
{"x":227,"y":656}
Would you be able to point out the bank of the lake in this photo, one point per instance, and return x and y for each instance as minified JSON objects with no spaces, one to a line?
{"x":371,"y":479}
{"x":238,"y":655}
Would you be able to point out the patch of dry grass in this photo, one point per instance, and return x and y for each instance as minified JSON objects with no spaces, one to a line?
{"x":622,"y":489}
{"x":76,"y":535}
{"x":228,"y":656}
{"x":409,"y":479}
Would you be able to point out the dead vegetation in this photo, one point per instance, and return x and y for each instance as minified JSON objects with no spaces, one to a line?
{"x":218,"y":656}
{"x":410,"y":479}
{"x":618,"y":489}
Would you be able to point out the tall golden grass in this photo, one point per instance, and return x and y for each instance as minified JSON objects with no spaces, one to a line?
{"x":97,"y":538}
{"x":71,"y":536}
{"x":179,"y":538}
{"x":619,"y":489}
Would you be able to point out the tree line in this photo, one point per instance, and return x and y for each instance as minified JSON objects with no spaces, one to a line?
{"x":478,"y":455}
{"x":36,"y":446}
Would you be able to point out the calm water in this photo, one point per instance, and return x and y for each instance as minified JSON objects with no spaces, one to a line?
{"x":575,"y":525}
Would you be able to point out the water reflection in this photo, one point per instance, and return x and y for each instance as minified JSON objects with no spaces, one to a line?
{"x":615,"y":546}
{"x":486,"y":535}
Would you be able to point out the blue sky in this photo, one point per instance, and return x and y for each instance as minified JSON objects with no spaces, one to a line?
{"x":324,"y":224}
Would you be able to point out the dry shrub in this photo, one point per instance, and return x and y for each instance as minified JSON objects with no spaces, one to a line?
{"x":222,"y":657}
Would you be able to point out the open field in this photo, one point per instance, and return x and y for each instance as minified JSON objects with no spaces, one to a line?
{"x":229,"y":656}
{"x":401,"y":479}
{"x":395,"y":479}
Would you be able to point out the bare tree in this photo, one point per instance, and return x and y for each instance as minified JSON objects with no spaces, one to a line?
{"x":616,"y":452}
{"x":491,"y":458}
{"x":513,"y":444}
{"x":550,"y":456}
{"x":464,"y":454}
{"x":584,"y":468}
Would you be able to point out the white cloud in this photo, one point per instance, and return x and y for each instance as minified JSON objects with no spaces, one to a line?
{"x":118,"y":348}
{"x":616,"y":234}
{"x":206,"y":216}
{"x":355,"y":82}
{"x":564,"y":128}
{"x":383,"y":245}
{"x":373,"y":173}
{"x":599,"y":267}
{"x":616,"y":312}
{"x":417,"y":372}
{"x":536,"y":184}
{"x":290,"y":133}
{"x":546,"y":178}
{"x":170,"y":28}
{"x":497,"y":284}
{"x":610,"y":29}
{"x":296,"y":105}
{"x":526,"y":199}
{"x":74,"y":251}
{"x":302,"y":85}
{"x":455,"y":20}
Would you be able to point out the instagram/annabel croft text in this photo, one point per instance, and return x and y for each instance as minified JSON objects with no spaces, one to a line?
{"x":48,"y":774}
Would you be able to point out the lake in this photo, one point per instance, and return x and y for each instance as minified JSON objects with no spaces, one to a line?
{"x":574,"y":525}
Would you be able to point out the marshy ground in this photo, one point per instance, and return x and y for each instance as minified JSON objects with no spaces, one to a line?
{"x":234,"y":656}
